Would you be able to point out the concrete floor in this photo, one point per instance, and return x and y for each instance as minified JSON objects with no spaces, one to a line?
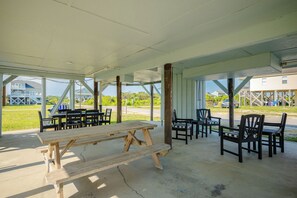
{"x":193,"y":170}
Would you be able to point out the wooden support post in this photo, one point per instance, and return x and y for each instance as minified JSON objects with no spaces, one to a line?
{"x":231,"y":101}
{"x":119,"y":100}
{"x":95,"y":95}
{"x":4,"y":96}
{"x":152,"y":102}
{"x":168,"y":103}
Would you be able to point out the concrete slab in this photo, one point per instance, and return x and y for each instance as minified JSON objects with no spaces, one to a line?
{"x":193,"y":170}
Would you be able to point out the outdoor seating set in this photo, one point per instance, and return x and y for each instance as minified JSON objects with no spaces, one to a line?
{"x":184,"y":127}
{"x":251,"y":130}
{"x":68,"y":119}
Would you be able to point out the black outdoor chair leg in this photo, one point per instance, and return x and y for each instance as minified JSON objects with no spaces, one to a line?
{"x":274,"y":144}
{"x":222,"y":145}
{"x":270,"y":145}
{"x":249,"y":147}
{"x":282,"y":144}
{"x":240,"y":152}
{"x":197,"y":130}
{"x":260,"y":150}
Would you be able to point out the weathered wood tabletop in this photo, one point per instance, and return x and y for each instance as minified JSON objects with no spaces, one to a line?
{"x":89,"y":132}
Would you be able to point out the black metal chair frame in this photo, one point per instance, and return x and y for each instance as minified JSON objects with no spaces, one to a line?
{"x":73,"y":119}
{"x":47,"y":123}
{"x":106,"y":117}
{"x":182,"y":124}
{"x":274,"y":132}
{"x":91,"y":118}
{"x":205,"y":119}
{"x":249,"y":131}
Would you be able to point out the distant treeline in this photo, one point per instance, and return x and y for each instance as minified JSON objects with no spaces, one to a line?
{"x":129,"y":99}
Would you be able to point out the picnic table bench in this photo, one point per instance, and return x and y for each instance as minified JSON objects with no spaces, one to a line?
{"x":59,"y":142}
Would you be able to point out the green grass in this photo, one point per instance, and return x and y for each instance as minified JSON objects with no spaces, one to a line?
{"x":20,"y":117}
{"x":264,"y":110}
{"x":292,"y":139}
{"x":26,"y":117}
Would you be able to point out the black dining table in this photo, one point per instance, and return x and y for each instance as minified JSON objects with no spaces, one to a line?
{"x":62,"y":115}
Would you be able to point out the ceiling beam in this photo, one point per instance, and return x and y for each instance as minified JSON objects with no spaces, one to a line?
{"x":39,"y":73}
{"x":259,"y":33}
{"x":236,"y":67}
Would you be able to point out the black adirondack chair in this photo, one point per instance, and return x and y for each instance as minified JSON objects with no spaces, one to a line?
{"x":249,"y":131}
{"x":275,"y":133}
{"x":183,"y":127}
{"x":205,"y":119}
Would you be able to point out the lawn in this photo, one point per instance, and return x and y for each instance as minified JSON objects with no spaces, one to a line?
{"x":26,"y":117}
{"x":292,"y":111}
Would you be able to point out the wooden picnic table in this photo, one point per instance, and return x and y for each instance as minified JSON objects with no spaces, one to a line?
{"x":59,"y":142}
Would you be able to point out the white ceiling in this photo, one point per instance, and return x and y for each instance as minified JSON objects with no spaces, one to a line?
{"x":105,"y":38}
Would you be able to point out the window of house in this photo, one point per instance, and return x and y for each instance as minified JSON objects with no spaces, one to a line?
{"x":285,"y":80}
{"x":264,"y":81}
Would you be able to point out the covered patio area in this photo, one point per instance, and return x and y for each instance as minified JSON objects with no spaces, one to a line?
{"x":180,"y":44}
{"x":193,"y":170}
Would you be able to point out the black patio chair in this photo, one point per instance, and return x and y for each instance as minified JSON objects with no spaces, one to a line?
{"x":63,"y":110}
{"x":82,"y":110}
{"x":73,"y":119}
{"x":275,"y":133}
{"x":249,"y":131}
{"x":91,"y":118}
{"x":106,"y":118}
{"x":47,"y":123}
{"x":205,"y":119}
{"x":182,"y":124}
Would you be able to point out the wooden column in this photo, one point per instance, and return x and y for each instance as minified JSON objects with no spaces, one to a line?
{"x":152,"y":102}
{"x":95,"y":95}
{"x":119,"y":100}
{"x":168,"y":103}
{"x":231,"y":101}
{"x":4,"y":96}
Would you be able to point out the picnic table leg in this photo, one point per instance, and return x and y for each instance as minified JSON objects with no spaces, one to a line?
{"x":128,"y":140}
{"x":48,"y":157}
{"x":58,"y":166}
{"x":149,"y":142}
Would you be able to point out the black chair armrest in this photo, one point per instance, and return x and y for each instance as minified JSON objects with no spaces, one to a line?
{"x":271,"y":124}
{"x":230,"y":128}
{"x":184,"y":120}
{"x":211,"y":117}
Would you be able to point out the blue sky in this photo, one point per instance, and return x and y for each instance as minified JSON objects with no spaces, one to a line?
{"x":57,"y":86}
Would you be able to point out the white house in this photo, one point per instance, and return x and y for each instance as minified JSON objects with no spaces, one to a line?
{"x":25,"y":92}
{"x":272,"y":90}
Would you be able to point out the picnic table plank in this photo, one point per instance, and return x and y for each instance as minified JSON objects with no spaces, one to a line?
{"x":95,"y":131}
